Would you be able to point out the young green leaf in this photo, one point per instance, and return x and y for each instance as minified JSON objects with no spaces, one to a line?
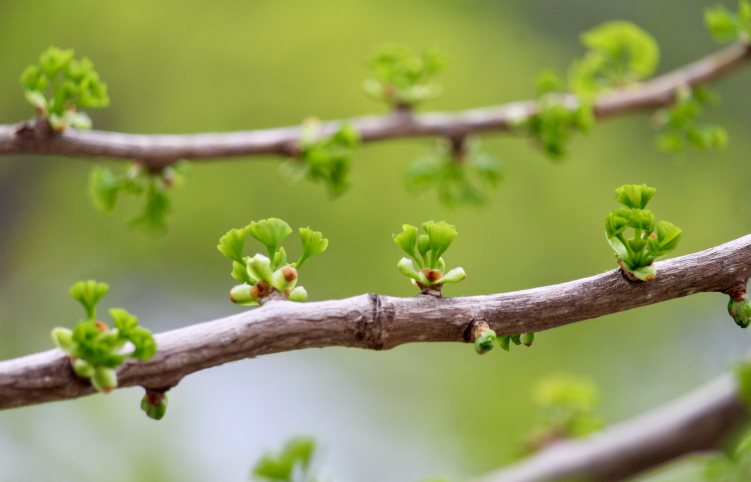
{"x":440,"y":235}
{"x":633,"y":196}
{"x":231,"y":244}
{"x":270,"y":232}
{"x":407,"y":240}
{"x":312,"y":243}
{"x":88,"y":293}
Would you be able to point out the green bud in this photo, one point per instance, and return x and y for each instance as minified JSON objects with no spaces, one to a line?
{"x":527,"y":339}
{"x":504,"y":341}
{"x":298,"y":294}
{"x":155,"y":409}
{"x":645,"y":273}
{"x":83,"y":368}
{"x":484,"y":341}
{"x":259,"y":267}
{"x":285,"y":278}
{"x":63,"y":338}
{"x":241,"y":295}
{"x":516,"y":339}
{"x":454,"y":276}
{"x":104,"y":379}
{"x":740,"y":311}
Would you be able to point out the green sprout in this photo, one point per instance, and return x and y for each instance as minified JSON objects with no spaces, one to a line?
{"x":292,"y":464}
{"x":105,"y":187}
{"x":636,"y":255}
{"x":726,"y":26}
{"x":739,"y":307}
{"x":427,"y":270}
{"x":679,"y":126}
{"x":566,"y":409}
{"x":323,"y":158}
{"x":403,"y":79}
{"x":525,"y":339}
{"x":461,"y":176}
{"x":154,"y":403}
{"x":59,"y":85}
{"x":620,"y":54}
{"x":262,"y":275}
{"x":94,"y":349}
{"x":555,"y":121}
{"x":484,"y":338}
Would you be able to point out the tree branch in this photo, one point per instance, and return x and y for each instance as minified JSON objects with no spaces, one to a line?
{"x":161,"y":150}
{"x":380,"y":322}
{"x":699,"y":421}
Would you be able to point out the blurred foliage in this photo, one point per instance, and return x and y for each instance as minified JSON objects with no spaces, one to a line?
{"x":105,"y":187}
{"x":678,"y":122}
{"x":403,"y":78}
{"x":461,"y":176}
{"x":726,"y":26}
{"x":60,"y":84}
{"x":567,"y":408}
{"x":735,"y":467}
{"x":291,"y":464}
{"x":325,"y":159}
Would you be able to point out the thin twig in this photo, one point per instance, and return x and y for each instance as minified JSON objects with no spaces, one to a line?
{"x":161,"y":150}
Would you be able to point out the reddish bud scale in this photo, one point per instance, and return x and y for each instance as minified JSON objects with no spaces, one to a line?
{"x":102,"y":326}
{"x":290,"y":274}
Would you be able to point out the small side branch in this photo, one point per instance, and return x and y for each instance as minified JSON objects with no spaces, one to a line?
{"x":159,"y":151}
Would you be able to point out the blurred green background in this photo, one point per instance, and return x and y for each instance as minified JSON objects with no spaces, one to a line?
{"x":403,"y":415}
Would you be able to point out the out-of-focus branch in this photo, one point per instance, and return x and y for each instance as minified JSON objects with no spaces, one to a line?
{"x":696,"y":422}
{"x":380,"y":322}
{"x":161,"y":150}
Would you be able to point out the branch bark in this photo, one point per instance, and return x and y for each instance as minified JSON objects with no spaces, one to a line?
{"x":697,"y":422}
{"x":158,"y":151}
{"x":380,"y":322}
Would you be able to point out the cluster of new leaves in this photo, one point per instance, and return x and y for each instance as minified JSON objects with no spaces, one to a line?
{"x":105,"y":187}
{"x":323,"y":158}
{"x":679,"y":126}
{"x":567,"y":409}
{"x":402,"y":78}
{"x":461,"y":175}
{"x":555,"y":122}
{"x":96,"y":350}
{"x":292,"y":464}
{"x":261,"y":274}
{"x":59,"y":85}
{"x":635,"y":255}
{"x":427,"y":270}
{"x":726,"y":26}
{"x":620,"y":54}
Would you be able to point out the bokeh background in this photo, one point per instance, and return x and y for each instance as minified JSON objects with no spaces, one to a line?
{"x":402,"y":415}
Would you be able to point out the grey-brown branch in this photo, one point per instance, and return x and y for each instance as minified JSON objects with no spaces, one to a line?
{"x":160,"y":150}
{"x":698,"y":422}
{"x":380,"y":322}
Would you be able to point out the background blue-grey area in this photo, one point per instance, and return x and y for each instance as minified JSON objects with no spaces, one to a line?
{"x":403,"y":415}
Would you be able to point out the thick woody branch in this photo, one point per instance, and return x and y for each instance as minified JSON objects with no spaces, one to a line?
{"x":699,"y":421}
{"x":161,"y":150}
{"x":380,"y":322}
